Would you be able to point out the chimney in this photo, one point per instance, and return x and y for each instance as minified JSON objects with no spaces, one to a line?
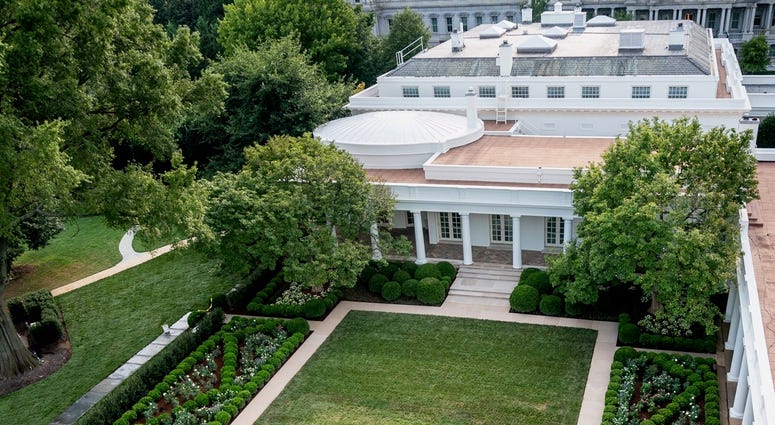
{"x":675,"y":40}
{"x":471,"y":114}
{"x":745,"y":123}
{"x":505,"y":60}
{"x":579,"y":20}
{"x":527,"y":15}
{"x":457,"y":40}
{"x":557,"y":7}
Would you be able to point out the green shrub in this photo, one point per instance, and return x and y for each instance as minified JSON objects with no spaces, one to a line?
{"x":223,"y":417}
{"x":297,"y":325}
{"x":575,"y":309}
{"x":390,"y":269}
{"x":629,"y":333}
{"x":446,"y":281}
{"x":447,"y":269}
{"x":46,"y":331}
{"x":624,"y":318}
{"x":551,"y":305}
{"x":376,"y":282}
{"x":647,"y":422}
{"x":430,"y":291}
{"x":625,"y":353}
{"x":540,"y":281}
{"x":314,"y":308}
{"x":410,"y":267}
{"x":526,"y":273}
{"x":16,"y":310}
{"x":524,"y":299}
{"x":401,"y":276}
{"x":366,"y":274}
{"x":194,"y":317}
{"x":391,"y":291}
{"x":658,"y":419}
{"x":409,"y":288}
{"x":427,"y":270}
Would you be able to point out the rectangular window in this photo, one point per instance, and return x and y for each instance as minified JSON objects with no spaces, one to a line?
{"x":555,"y":92}
{"x":493,"y":19}
{"x":486,"y":91}
{"x":409,"y":219}
{"x":677,"y":92}
{"x":501,"y":229}
{"x":641,"y":92}
{"x":449,"y":24}
{"x":734,"y":21}
{"x":510,"y":18}
{"x":590,"y":92}
{"x":449,"y":225}
{"x":464,"y":21}
{"x":435,"y":24}
{"x":478,"y":20}
{"x":555,"y":234}
{"x":411,"y":91}
{"x":522,"y":92}
{"x":390,"y":23}
{"x":441,"y":91}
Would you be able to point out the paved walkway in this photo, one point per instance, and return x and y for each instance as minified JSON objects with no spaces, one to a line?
{"x":129,"y":259}
{"x":597,"y":381}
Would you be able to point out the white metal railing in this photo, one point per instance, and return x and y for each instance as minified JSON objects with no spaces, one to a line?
{"x":762,"y":394}
{"x":413,"y":47}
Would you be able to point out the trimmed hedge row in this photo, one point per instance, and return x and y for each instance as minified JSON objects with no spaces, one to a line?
{"x":41,"y":312}
{"x":237,"y":394}
{"x":696,"y":377}
{"x":631,"y":334}
{"x":116,"y":402}
{"x":427,"y":282}
{"x":313,"y":309}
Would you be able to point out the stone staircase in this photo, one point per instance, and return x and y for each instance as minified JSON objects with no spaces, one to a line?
{"x":753,"y":214}
{"x":484,"y":284}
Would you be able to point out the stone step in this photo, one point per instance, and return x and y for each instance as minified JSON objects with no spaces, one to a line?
{"x":461,"y":299}
{"x":480,"y":294}
{"x":497,"y":274}
{"x":482,"y":285}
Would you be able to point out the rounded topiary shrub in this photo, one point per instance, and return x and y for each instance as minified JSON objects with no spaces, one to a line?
{"x":391,"y":290}
{"x":575,"y":309}
{"x":430,"y":291}
{"x":427,"y":270}
{"x":551,"y":305}
{"x":390,"y":268}
{"x":625,"y":353}
{"x":194,"y":317}
{"x":297,"y":325}
{"x":446,"y":281}
{"x":401,"y":276}
{"x":524,"y":299}
{"x":409,"y":288}
{"x":540,"y":281}
{"x":410,"y":267}
{"x":314,"y":308}
{"x":366,"y":274}
{"x":629,"y":333}
{"x":526,"y":273}
{"x":376,"y":282}
{"x":447,"y":269}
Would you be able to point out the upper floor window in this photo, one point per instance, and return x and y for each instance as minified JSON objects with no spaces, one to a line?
{"x":641,"y":92}
{"x":520,"y":92}
{"x":464,"y":21}
{"x":441,"y":91}
{"x":449,"y":24}
{"x":677,"y":92}
{"x":478,"y":20}
{"x":590,"y":92}
{"x":510,"y":18}
{"x":555,"y":92}
{"x":390,"y":23}
{"x":486,"y":91}
{"x":411,"y":91}
{"x":493,"y":19}
{"x":435,"y":24}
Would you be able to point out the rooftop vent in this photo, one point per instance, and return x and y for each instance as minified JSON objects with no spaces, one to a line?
{"x":493,"y":32}
{"x":527,"y":15}
{"x":557,"y":17}
{"x":505,"y":59}
{"x":507,"y":25}
{"x":579,"y":20}
{"x":555,"y":32}
{"x":601,"y":21}
{"x":457,"y":40}
{"x":557,"y":7}
{"x":676,"y":39}
{"x":633,"y":40}
{"x":537,"y":44}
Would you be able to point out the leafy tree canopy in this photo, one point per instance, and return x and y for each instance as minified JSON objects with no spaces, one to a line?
{"x":765,"y":137}
{"x":299,"y":206}
{"x":406,"y":28}
{"x":660,"y":213}
{"x":754,"y":55}
{"x":198,"y":15}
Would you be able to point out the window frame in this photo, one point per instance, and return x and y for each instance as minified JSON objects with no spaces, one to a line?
{"x":442,"y":91}
{"x":450,"y":26}
{"x":434,"y":24}
{"x":590,"y":92}
{"x":678,"y":92}
{"x":515,"y":92}
{"x":488,"y":92}
{"x":554,"y":231}
{"x":640,"y":92}
{"x":501,"y":228}
{"x":450,"y":226}
{"x":559,"y":92}
{"x":407,"y":89}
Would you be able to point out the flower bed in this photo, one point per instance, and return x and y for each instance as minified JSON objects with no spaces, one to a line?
{"x":216,"y":380}
{"x":657,"y":389}
{"x":292,"y":302}
{"x":632,"y":334}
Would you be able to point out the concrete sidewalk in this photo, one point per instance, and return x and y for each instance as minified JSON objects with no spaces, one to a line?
{"x":597,"y":381}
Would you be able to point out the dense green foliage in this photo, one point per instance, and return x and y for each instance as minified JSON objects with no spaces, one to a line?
{"x":524,"y":299}
{"x":200,"y":15}
{"x":550,"y":305}
{"x":410,"y":369}
{"x":754,"y":55}
{"x":406,"y":28}
{"x":431,"y":291}
{"x":765,"y":137}
{"x":391,"y":291}
{"x":660,"y":214}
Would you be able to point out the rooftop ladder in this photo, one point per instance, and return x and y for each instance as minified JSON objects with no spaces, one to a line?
{"x":410,"y":50}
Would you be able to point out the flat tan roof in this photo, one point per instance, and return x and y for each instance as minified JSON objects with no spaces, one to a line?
{"x":417,"y":176}
{"x":528,"y":151}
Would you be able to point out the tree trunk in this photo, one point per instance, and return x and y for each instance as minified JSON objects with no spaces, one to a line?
{"x":15,"y":358}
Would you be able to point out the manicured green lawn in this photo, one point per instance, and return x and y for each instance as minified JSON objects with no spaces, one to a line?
{"x":382,"y":368}
{"x":109,"y":321}
{"x":85,"y":247}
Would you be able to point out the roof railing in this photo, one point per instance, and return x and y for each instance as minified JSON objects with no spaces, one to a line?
{"x":414,"y":47}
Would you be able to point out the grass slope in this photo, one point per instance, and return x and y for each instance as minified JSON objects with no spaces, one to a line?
{"x":383,"y":368}
{"x":85,"y":247}
{"x":109,"y":321}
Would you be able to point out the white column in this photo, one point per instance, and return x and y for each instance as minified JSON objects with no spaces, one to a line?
{"x":748,"y":412}
{"x":741,"y":393}
{"x":376,"y":254}
{"x":734,"y":328}
{"x":732,"y":302}
{"x":567,"y":228}
{"x":727,"y":20}
{"x":704,"y":15}
{"x":737,"y":358}
{"x":419,"y":239}
{"x":516,"y":244}
{"x":751,"y":13}
{"x":465,"y":224}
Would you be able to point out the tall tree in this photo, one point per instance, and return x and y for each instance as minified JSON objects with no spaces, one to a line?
{"x":407,"y":27}
{"x":754,"y":55}
{"x":85,"y":86}
{"x":273,"y":90}
{"x":327,"y":30}
{"x":660,"y":213}
{"x":299,"y":206}
{"x":201,"y":16}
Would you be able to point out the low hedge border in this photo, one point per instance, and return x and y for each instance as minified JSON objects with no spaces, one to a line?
{"x":631,"y":334}
{"x":111,"y":407}
{"x":313,"y":309}
{"x":229,"y":336}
